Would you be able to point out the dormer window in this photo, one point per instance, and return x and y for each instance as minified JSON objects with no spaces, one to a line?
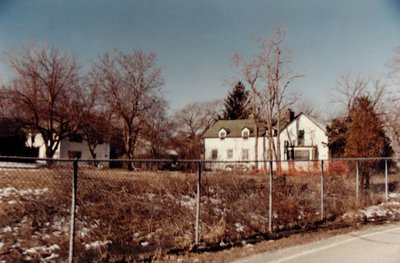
{"x":222,"y":134}
{"x":245,"y":133}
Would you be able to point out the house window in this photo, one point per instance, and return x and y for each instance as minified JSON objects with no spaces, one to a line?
{"x":229,"y":154}
{"x":74,"y":154}
{"x":245,"y":134}
{"x":302,"y":155}
{"x":245,"y":154}
{"x":76,"y":138}
{"x":214,"y":154}
{"x":222,"y":134}
{"x":300,"y":138}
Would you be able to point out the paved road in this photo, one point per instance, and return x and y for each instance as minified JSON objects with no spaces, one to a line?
{"x":379,"y":244}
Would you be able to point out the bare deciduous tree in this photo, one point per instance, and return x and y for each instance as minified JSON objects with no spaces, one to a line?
{"x":158,"y":131}
{"x":95,"y":119}
{"x":43,"y":93}
{"x":392,"y":104}
{"x":251,"y":71}
{"x":307,"y":107}
{"x":130,"y":84}
{"x":269,"y":76}
{"x":349,"y":89}
{"x":191,"y":122}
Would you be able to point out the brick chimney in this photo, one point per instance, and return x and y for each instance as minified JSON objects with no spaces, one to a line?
{"x":289,"y":116}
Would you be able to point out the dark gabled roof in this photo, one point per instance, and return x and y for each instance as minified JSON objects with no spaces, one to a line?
{"x":320,"y":124}
{"x":234,"y":128}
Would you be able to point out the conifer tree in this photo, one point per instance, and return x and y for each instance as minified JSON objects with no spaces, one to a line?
{"x":366,"y":137}
{"x":236,"y":103}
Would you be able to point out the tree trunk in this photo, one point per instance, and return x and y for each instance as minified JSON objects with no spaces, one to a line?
{"x":49,"y":153}
{"x":129,"y":151}
{"x":278,"y":143}
{"x":256,"y":145}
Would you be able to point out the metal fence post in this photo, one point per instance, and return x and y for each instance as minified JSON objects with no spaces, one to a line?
{"x":386,"y":182}
{"x":73,"y":210}
{"x":270,"y":198}
{"x":197,"y":224}
{"x":357,"y":181}
{"x":322,"y":190}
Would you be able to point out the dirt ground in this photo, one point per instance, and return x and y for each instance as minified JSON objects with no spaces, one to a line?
{"x":150,"y":215}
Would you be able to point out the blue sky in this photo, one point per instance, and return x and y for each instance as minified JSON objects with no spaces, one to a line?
{"x":195,"y":40}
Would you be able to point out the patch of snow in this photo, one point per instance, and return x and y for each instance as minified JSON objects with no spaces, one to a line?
{"x":17,"y":165}
{"x":215,"y":201}
{"x":393,"y":203}
{"x":13,"y":192}
{"x":239,"y":227}
{"x":144,"y":243}
{"x":187,"y":201}
{"x":150,"y":196}
{"x":7,"y":229}
{"x":84,"y":231}
{"x":382,"y":210}
{"x":375,"y":210}
{"x":6,"y":192}
{"x":275,"y":215}
{"x":60,"y":224}
{"x":301,"y":215}
{"x":51,"y":257}
{"x":97,"y":244}
{"x":16,"y":245}
{"x":43,"y":249}
{"x":57,"y":233}
{"x":394,"y":195}
{"x":349,"y":215}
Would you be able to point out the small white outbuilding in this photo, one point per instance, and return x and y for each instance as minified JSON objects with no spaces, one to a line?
{"x":72,"y":147}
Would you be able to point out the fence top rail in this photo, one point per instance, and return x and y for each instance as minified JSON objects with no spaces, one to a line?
{"x":315,"y":160}
{"x":22,"y":158}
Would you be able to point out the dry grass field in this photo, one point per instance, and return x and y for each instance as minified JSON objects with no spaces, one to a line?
{"x":143,"y":215}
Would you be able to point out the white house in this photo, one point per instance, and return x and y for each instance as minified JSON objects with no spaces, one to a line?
{"x":72,"y":147}
{"x":233,"y":140}
{"x":303,"y":138}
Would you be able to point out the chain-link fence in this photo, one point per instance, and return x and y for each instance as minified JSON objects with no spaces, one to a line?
{"x":86,"y":211}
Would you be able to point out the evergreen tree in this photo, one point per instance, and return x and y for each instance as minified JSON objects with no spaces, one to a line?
{"x":337,"y":133}
{"x":366,"y":137}
{"x":236,"y":103}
